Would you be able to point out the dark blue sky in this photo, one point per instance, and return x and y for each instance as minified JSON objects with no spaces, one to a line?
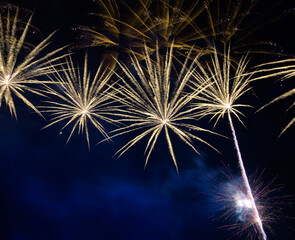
{"x":49,"y":190}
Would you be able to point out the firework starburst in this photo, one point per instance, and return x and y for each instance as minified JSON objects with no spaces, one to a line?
{"x":79,"y":98}
{"x":155,"y":102}
{"x":19,"y":68}
{"x":220,"y":97}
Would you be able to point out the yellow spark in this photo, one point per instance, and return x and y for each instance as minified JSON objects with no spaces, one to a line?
{"x":23,"y":67}
{"x":155,"y":101}
{"x":80,"y":98}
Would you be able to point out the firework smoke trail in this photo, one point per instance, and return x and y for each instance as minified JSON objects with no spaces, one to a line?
{"x":246,"y":181}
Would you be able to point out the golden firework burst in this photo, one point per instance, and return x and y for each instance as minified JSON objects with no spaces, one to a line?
{"x":18,"y":68}
{"x":155,"y":101}
{"x":121,"y":27}
{"x":79,"y":98}
{"x":225,"y":88}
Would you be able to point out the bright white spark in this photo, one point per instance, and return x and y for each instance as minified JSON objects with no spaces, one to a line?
{"x":165,"y":121}
{"x":243,"y":202}
{"x":227,"y":106}
{"x":6,"y":81}
{"x":84,"y":112}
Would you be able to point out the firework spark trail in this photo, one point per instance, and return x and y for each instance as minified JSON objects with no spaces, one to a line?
{"x":219,"y":99}
{"x":246,"y":181}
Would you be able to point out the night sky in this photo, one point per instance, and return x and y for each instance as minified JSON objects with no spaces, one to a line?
{"x":50,"y":190}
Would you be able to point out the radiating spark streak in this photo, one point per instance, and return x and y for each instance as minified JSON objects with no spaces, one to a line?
{"x":275,"y":70}
{"x":19,"y":70}
{"x":246,"y":181}
{"x":155,"y":102}
{"x":80,"y":98}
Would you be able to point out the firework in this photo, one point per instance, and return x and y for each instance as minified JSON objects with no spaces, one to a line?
{"x":114,"y":30}
{"x":121,"y":27}
{"x":220,"y":97}
{"x":219,"y":100}
{"x":279,"y":68}
{"x":234,"y":205}
{"x":155,"y":102}
{"x":175,"y":22}
{"x":19,"y":62}
{"x":234,"y":22}
{"x":79,"y":98}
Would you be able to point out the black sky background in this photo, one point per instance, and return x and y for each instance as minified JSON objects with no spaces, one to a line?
{"x":50,"y":190}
